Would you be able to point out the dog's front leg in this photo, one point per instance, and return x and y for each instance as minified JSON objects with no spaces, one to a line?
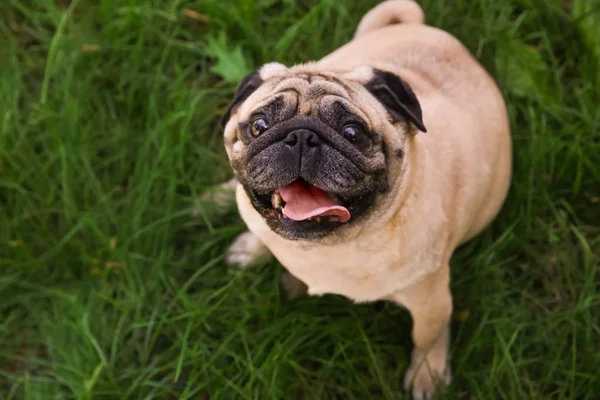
{"x":246,"y":250}
{"x":430,"y":304}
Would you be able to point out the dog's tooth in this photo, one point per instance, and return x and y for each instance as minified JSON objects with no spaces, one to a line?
{"x":318,"y":219}
{"x":276,"y":200}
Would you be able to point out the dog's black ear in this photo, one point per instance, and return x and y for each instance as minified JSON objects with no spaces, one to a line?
{"x":245,"y":88}
{"x":397,"y":97}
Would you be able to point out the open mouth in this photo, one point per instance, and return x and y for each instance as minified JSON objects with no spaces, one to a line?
{"x":301,"y":210}
{"x":301,"y":201}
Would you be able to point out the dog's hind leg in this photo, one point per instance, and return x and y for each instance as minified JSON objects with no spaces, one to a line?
{"x":219,"y":198}
{"x":247,"y":251}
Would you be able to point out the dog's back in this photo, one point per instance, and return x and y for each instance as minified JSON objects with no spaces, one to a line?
{"x":457,"y":95}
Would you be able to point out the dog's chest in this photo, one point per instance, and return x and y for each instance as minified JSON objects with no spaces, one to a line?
{"x":368,"y":268}
{"x":363,"y":270}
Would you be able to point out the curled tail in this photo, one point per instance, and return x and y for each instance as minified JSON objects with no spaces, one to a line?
{"x":390,"y":12}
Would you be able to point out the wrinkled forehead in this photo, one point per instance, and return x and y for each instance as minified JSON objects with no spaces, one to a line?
{"x":311,"y":86}
{"x":305,"y":94}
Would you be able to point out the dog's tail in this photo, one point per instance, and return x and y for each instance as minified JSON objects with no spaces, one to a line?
{"x":390,"y":12}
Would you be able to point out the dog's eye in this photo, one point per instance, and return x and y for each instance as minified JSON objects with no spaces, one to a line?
{"x":259,"y":126}
{"x":351,"y":132}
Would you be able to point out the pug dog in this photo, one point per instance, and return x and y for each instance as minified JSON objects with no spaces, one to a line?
{"x":361,"y":173}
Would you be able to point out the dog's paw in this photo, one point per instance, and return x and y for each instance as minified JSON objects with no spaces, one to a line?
{"x":425,"y":377}
{"x":247,"y":251}
{"x":220,"y":199}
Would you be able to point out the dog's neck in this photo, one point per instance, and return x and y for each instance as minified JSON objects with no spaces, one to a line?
{"x":403,"y":171}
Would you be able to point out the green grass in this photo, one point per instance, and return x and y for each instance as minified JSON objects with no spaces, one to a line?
{"x":113,"y":287}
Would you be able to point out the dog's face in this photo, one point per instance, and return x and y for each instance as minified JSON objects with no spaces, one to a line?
{"x":312,"y":148}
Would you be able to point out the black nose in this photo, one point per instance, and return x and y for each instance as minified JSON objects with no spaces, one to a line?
{"x":300,"y":138}
{"x":303,"y":149}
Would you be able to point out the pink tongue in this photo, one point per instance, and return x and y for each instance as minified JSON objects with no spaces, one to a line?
{"x":305,"y":201}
